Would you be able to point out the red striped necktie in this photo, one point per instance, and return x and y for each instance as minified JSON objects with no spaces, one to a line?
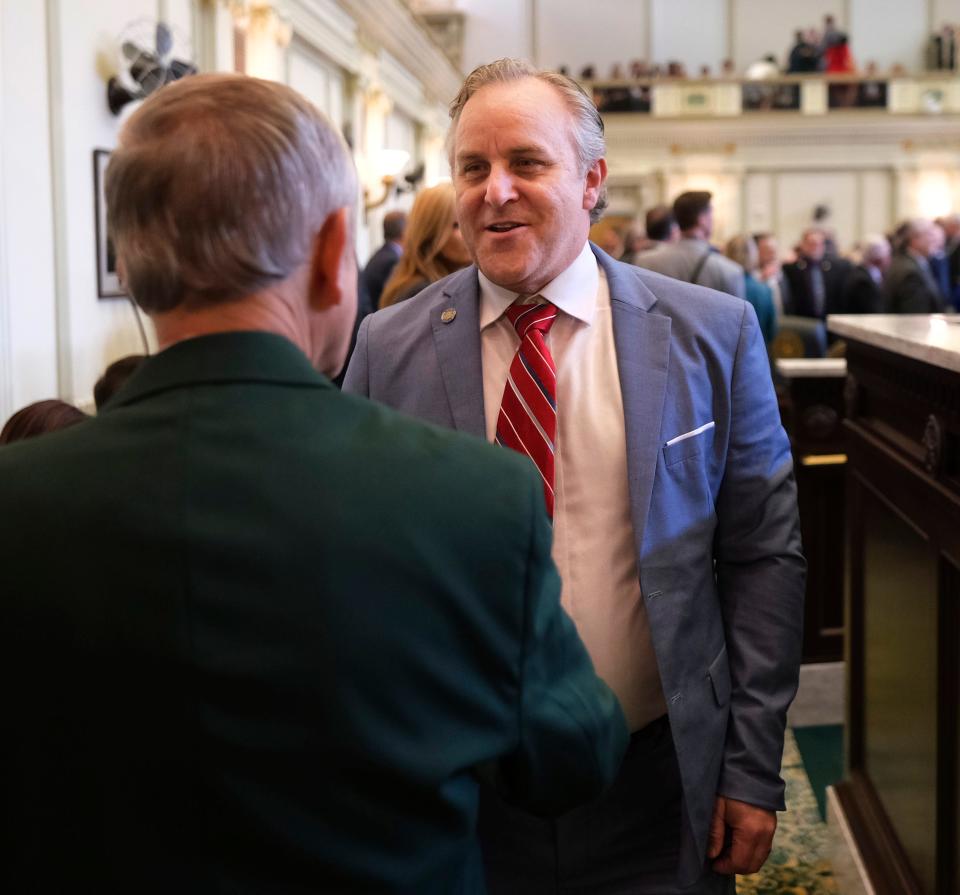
{"x":528,"y":411}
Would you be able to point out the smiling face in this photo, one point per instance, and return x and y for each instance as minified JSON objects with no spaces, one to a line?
{"x":523,"y":201}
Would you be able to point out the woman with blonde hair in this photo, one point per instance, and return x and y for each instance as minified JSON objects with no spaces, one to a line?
{"x":743,"y":250}
{"x":432,"y":246}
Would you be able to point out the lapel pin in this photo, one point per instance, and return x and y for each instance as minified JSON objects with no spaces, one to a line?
{"x":448,"y":315}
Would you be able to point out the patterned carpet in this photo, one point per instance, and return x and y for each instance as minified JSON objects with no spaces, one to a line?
{"x":798,"y":863}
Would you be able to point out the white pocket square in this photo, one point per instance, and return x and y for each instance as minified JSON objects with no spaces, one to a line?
{"x":692,"y":433}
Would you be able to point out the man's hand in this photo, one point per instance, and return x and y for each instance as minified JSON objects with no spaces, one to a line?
{"x":747,"y":844}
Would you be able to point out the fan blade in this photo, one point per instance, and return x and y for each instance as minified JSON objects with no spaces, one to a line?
{"x":149,"y":75}
{"x":164,"y":39}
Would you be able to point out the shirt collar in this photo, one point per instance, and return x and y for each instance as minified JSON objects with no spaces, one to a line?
{"x":573,"y":291}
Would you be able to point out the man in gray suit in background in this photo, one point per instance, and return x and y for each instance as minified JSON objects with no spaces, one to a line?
{"x":692,"y":259}
{"x":647,"y":407}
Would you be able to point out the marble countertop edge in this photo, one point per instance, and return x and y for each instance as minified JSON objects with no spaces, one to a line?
{"x":931,"y":338}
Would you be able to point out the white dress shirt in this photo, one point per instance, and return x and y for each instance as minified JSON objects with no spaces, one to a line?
{"x":593,"y":538}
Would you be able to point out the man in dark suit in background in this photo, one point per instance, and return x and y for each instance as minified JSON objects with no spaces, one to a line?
{"x":910,"y":287}
{"x":815,"y":281}
{"x":951,"y":229}
{"x":259,"y":636}
{"x":940,"y":264}
{"x":862,"y":291}
{"x":384,"y":259}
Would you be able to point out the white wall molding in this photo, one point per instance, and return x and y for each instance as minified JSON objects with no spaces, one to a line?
{"x":403,"y":89}
{"x":65,"y":384}
{"x":6,"y":348}
{"x":640,"y":135}
{"x":391,"y":25}
{"x":325,"y":26}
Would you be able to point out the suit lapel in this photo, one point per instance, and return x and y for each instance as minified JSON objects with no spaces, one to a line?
{"x":642,"y":342}
{"x":456,"y":337}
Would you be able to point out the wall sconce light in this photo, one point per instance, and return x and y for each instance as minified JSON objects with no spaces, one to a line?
{"x":390,"y":162}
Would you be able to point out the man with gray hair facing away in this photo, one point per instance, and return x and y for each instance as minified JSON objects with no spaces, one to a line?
{"x":646,"y":406}
{"x":862,"y":290}
{"x":248,"y":697}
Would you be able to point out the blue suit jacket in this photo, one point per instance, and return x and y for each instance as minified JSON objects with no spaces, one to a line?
{"x":714,"y":516}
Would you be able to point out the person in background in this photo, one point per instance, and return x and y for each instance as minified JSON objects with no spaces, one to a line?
{"x":940,"y":264}
{"x":39,"y":418}
{"x":951,"y":228}
{"x":433,"y":246}
{"x":647,"y":406}
{"x":830,"y":36}
{"x":634,"y":242}
{"x":804,"y":56}
{"x":815,"y":281}
{"x":863,"y":289}
{"x":660,"y":227}
{"x":770,"y":270}
{"x":837,"y":56}
{"x":763,"y":69}
{"x":321,"y":623}
{"x":910,"y":287}
{"x":384,"y":259}
{"x":114,"y":377}
{"x":610,"y":240}
{"x":743,"y":250}
{"x":692,"y":258}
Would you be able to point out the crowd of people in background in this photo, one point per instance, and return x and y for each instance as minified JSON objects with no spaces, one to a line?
{"x":826,"y":49}
{"x":915,"y":269}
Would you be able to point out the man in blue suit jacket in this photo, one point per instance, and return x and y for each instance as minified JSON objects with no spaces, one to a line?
{"x":230,"y":661}
{"x":675,"y":521}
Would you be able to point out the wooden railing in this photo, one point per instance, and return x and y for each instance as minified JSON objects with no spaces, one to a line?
{"x":936,"y":93}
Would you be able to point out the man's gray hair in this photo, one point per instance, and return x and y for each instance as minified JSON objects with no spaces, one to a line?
{"x":588,"y":136}
{"x":875,"y":247}
{"x":218,"y":188}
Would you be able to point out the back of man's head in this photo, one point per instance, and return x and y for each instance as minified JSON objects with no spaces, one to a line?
{"x":218,"y":188}
{"x":394,"y":226}
{"x":688,"y":207}
{"x":876,"y":250}
{"x":660,"y":223}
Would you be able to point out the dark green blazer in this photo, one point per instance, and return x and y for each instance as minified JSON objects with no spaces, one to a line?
{"x":262,"y":637}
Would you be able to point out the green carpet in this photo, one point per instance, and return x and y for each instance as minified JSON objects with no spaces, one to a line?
{"x":798,"y":863}
{"x":822,"y":751}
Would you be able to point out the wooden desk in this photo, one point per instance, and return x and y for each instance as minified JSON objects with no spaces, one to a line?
{"x":900,"y":795}
{"x":813,"y":412}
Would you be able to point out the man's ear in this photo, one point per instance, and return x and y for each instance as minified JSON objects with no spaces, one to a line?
{"x":327,"y":270}
{"x":593,"y":183}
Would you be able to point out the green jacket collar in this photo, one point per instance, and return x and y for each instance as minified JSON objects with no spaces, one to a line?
{"x":224,"y":357}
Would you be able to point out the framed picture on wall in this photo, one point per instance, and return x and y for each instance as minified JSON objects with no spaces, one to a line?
{"x":108,"y":282}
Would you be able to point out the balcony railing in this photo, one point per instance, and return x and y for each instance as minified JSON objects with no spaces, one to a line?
{"x":932,"y":94}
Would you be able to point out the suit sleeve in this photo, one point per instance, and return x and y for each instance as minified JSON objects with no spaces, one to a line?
{"x":913,"y":296}
{"x":761,"y":576}
{"x":571,"y":730}
{"x":357,"y":380}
